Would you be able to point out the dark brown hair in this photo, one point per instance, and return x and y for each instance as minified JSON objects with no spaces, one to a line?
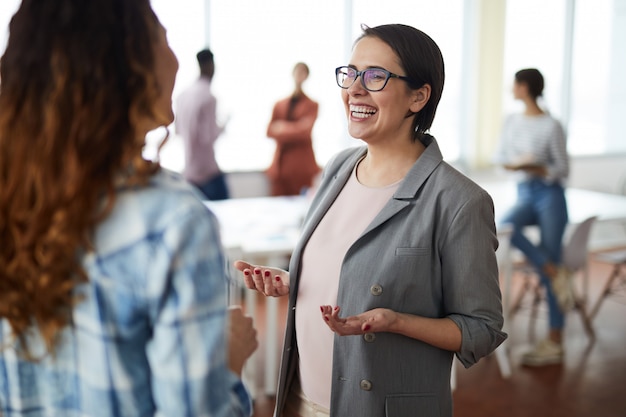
{"x":421,"y":59}
{"x":533,"y":79}
{"x":76,"y":82}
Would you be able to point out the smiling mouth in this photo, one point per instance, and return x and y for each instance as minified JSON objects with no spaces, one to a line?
{"x":362,"y":112}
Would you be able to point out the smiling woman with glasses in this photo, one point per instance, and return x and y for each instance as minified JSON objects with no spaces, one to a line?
{"x":395,"y":271}
{"x":372,"y":79}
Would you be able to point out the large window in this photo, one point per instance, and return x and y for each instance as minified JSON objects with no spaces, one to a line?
{"x":579,"y":47}
{"x":598,"y":90}
{"x":257,"y":43}
{"x":534,"y":38}
{"x":577,"y":44}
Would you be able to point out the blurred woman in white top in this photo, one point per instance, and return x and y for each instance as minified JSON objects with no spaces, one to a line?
{"x":533,"y":145}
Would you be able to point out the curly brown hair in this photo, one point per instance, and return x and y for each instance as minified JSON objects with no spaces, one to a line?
{"x":76,"y":81}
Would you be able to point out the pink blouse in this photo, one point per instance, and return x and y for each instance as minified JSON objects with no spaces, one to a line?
{"x":353,"y":210}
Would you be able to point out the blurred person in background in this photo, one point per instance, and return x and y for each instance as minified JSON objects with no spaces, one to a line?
{"x":196,"y":122}
{"x":293,"y":168}
{"x":533,"y":146}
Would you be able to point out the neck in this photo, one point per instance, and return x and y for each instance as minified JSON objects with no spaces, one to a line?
{"x":532,"y":108}
{"x":385,"y":165}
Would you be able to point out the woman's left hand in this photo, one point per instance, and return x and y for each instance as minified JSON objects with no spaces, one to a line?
{"x":376,"y":320}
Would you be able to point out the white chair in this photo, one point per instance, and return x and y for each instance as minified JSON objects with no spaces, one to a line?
{"x":575,"y":259}
{"x":505,"y":266}
{"x":616,"y":283}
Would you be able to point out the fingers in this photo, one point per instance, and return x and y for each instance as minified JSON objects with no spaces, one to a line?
{"x":242,"y":328}
{"x":262,"y":280}
{"x":331,"y":317}
{"x":267,"y":281}
{"x":241,"y":265}
{"x":352,"y":325}
{"x":242,"y":338}
{"x":251,"y":275}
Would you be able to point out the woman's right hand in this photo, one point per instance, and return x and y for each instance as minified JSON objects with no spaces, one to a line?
{"x":242,"y":339}
{"x":272,"y":282}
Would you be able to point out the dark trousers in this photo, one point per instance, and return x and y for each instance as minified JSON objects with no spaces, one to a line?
{"x":215,"y":188}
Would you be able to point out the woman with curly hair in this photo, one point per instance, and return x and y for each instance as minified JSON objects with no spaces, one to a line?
{"x":112,"y":277}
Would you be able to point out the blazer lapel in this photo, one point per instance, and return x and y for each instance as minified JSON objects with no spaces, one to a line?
{"x":335,"y":183}
{"x":408,"y":191}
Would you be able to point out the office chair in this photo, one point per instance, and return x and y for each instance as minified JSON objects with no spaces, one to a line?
{"x":616,"y":283}
{"x":575,"y":259}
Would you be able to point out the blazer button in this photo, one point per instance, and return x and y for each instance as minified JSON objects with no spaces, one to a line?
{"x":366,"y":385}
{"x":376,"y":289}
{"x":369,"y":337}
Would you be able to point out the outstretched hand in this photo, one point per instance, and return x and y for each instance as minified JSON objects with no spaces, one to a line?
{"x":269,"y":281}
{"x":372,"y":321}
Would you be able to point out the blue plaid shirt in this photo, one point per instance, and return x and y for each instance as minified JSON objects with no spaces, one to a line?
{"x":149,"y":337}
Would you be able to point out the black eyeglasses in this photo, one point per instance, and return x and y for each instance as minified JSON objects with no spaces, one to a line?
{"x":372,"y":79}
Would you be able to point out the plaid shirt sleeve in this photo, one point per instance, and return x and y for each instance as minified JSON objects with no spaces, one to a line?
{"x":187,"y":352}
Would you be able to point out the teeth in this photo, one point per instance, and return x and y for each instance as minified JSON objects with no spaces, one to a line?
{"x":362,"y":111}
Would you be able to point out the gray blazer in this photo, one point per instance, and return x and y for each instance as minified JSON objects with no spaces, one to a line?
{"x":430,"y":252}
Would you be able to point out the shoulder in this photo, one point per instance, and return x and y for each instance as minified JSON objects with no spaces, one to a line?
{"x":140,"y":213}
{"x":343,"y":156}
{"x":454,"y":186}
{"x":549,"y":125}
{"x":552,"y":121}
{"x":310,"y":101}
{"x":282,"y":103}
{"x":197,"y":91}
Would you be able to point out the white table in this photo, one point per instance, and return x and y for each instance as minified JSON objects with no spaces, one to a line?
{"x":266,"y":229}
{"x":581,"y":204}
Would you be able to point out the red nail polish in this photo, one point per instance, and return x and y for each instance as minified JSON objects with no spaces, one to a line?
{"x":336,"y":308}
{"x":257,"y":271}
{"x":326,"y":318}
{"x":321,"y":309}
{"x":277,"y":278}
{"x":246,"y":272}
{"x":366,"y":327}
{"x":267,"y":273}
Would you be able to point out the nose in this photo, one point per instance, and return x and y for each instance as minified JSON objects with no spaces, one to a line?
{"x":357,"y":86}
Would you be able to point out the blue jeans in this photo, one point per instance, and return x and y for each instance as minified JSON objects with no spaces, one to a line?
{"x":215,"y":188}
{"x":543,"y":205}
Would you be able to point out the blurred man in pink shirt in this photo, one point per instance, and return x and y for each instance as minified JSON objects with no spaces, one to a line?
{"x":196,"y":123}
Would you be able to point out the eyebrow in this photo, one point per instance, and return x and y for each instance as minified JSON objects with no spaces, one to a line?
{"x":368,"y":67}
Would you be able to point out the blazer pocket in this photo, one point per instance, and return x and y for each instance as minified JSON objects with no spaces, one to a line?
{"x":411,"y":405}
{"x":412,"y":251}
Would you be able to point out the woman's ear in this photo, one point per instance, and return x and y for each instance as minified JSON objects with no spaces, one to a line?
{"x":419,"y":98}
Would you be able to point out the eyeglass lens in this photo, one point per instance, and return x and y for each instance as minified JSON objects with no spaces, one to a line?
{"x":372,"y":79}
